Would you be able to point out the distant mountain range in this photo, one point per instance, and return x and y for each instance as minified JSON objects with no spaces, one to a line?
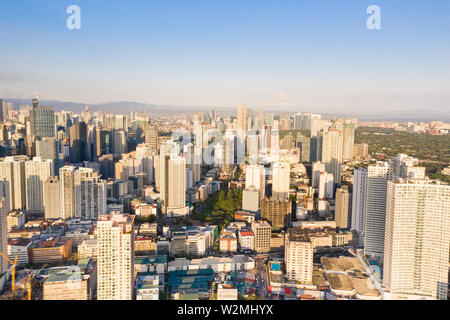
{"x":128,"y":106}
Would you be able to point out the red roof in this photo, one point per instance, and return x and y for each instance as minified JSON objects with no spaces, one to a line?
{"x":247,"y":233}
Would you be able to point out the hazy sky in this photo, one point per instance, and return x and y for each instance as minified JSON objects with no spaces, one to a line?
{"x":309,"y":55}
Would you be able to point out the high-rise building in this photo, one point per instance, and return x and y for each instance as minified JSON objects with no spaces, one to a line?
{"x":242,"y":118}
{"x":331,"y":146}
{"x":37,"y":172}
{"x":4,"y":192}
{"x":2,"y":118}
{"x":51,"y":195}
{"x":103,"y":141}
{"x":90,"y":194}
{"x":277,"y":212}
{"x":416,"y":247}
{"x":67,"y":191}
{"x":343,"y":208}
{"x":262,"y":231}
{"x":317,"y":168}
{"x":78,"y":143}
{"x":298,"y":256}
{"x":3,"y":235}
{"x":115,"y":257}
{"x":377,"y":178}
{"x":48,"y":149}
{"x":250,"y":199}
{"x":359,"y":203}
{"x":13,"y":170}
{"x":304,"y":143}
{"x":280,"y":180}
{"x":42,"y":121}
{"x":119,"y":141}
{"x":348,"y":141}
{"x":151,"y":137}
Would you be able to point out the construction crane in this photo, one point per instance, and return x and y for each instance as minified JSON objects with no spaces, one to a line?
{"x":13,"y":270}
{"x":28,"y":279}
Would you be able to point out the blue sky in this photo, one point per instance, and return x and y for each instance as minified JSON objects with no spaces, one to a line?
{"x":295,"y":55}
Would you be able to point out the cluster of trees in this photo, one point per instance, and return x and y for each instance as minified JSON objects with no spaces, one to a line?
{"x":220,"y":207}
{"x":390,"y":143}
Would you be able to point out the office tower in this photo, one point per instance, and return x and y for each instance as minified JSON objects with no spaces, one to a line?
{"x":2,"y":118}
{"x":144,"y":156}
{"x":250,"y":199}
{"x":287,"y":142}
{"x":329,"y":186}
{"x":331,"y":146}
{"x":42,"y":121}
{"x":323,"y":177}
{"x":298,"y":121}
{"x":103,"y":141}
{"x":416,"y":249}
{"x":3,"y":134}
{"x":377,"y":178}
{"x":267,"y":136}
{"x":277,"y":212}
{"x":115,"y":257}
{"x":242,"y":118}
{"x":198,"y":158}
{"x":304,"y":143}
{"x":4,"y":192}
{"x":262,"y":232}
{"x":78,"y":143}
{"x":280,"y":180}
{"x":275,"y":142}
{"x":119,"y":141}
{"x":285,"y":123}
{"x":315,"y":124}
{"x":198,"y":134}
{"x":90,"y":194}
{"x":298,"y":256}
{"x":255,"y":176}
{"x":343,"y":208}
{"x":252,"y":147}
{"x":219,"y":153}
{"x":3,"y":235}
{"x":37,"y":172}
{"x":229,"y":152}
{"x":13,"y":170}
{"x":51,"y":195}
{"x":359,"y":203}
{"x":176,"y":186}
{"x":106,"y":166}
{"x":48,"y":149}
{"x":116,"y":121}
{"x":348,"y":141}
{"x":317,"y":168}
{"x":67,"y":191}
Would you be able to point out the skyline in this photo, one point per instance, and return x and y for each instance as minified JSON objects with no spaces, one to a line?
{"x":199,"y":54}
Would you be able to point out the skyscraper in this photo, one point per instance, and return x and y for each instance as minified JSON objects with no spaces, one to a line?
{"x":42,"y":121}
{"x":280,"y":180}
{"x":78,"y":143}
{"x":103,"y":142}
{"x":343,"y":208}
{"x":115,"y":257}
{"x":377,"y":178}
{"x":416,"y":248}
{"x":51,"y":196}
{"x":67,"y":191}
{"x":348,"y":141}
{"x":3,"y":235}
{"x":13,"y":170}
{"x":359,"y":203}
{"x":37,"y":172}
{"x":242,"y":118}
{"x":331,"y":146}
{"x":90,"y":194}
